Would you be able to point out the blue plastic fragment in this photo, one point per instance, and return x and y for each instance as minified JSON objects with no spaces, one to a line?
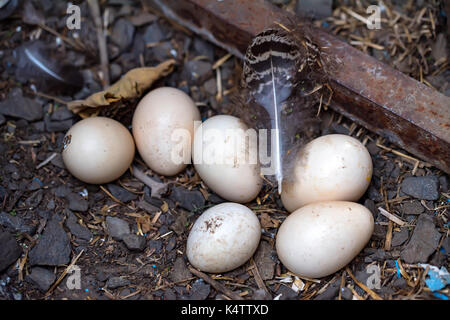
{"x":39,"y":181}
{"x":86,"y":290}
{"x":440,"y":296}
{"x":399,"y":274}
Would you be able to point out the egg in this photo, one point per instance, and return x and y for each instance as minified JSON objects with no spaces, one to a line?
{"x":331,"y":167}
{"x":321,"y":238}
{"x":163,"y":127}
{"x":223,"y":238}
{"x":226,"y":158}
{"x":98,"y":150}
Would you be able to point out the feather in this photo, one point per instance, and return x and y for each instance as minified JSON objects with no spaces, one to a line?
{"x":35,"y":63}
{"x":279,"y":80}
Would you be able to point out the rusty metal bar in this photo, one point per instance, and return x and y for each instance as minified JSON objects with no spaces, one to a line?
{"x":372,"y":94}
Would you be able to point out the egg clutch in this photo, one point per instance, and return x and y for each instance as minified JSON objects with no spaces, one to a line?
{"x":326,"y":228}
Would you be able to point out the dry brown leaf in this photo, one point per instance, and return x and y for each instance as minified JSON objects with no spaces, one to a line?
{"x":131,"y":85}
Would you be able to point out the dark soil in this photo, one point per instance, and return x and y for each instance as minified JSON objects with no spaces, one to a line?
{"x":134,"y":248}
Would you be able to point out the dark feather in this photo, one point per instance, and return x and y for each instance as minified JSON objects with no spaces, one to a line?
{"x":282,"y":67}
{"x":38,"y":65}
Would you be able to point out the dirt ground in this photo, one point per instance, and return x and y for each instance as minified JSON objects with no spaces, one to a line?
{"x":50,"y":221}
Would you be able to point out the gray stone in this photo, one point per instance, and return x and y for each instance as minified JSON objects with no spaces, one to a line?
{"x":424,"y":188}
{"x":62,"y":191}
{"x":171,"y":244}
{"x":154,"y":33}
{"x":149,"y":208}
{"x":61,"y":114}
{"x":316,"y":8}
{"x":412,"y":208}
{"x":117,"y":282}
{"x":10,"y":251}
{"x":286,"y":293}
{"x":123,"y":33}
{"x":330,"y":293}
{"x":34,"y":199}
{"x":53,"y":248}
{"x":77,"y":202}
{"x":121,"y":194}
{"x":58,"y":126}
{"x":57,"y":161}
{"x":155,"y":245}
{"x":400,"y":238}
{"x":17,"y":106}
{"x":117,"y":228}
{"x":77,"y":229}
{"x":42,"y":278}
{"x":423,"y":243}
{"x":134,"y":242}
{"x":2,"y":119}
{"x":197,"y":70}
{"x":179,"y":271}
{"x":16,"y":223}
{"x":203,"y":48}
{"x":264,"y":260}
{"x":200,"y":290}
{"x":187,"y":199}
{"x":346,"y":294}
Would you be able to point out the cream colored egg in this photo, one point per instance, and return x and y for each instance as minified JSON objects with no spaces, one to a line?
{"x":163,"y":127}
{"x":321,"y":238}
{"x":98,"y":150}
{"x":331,"y":167}
{"x":223,"y":238}
{"x":226,"y":160}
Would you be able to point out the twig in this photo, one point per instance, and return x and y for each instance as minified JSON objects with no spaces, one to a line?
{"x":101,"y":39}
{"x":215,"y":284}
{"x":157,"y":188}
{"x":258,"y":279}
{"x":362,"y":286}
{"x":43,"y":163}
{"x":392,"y":217}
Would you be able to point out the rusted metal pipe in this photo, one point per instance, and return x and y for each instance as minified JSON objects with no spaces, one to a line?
{"x":372,"y":94}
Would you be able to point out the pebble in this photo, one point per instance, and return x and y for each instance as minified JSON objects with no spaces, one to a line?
{"x":16,"y":223}
{"x":330,"y":293}
{"x":61,"y":114}
{"x":77,"y":202}
{"x":423,"y":188}
{"x":412,"y":208}
{"x":79,"y":231}
{"x":17,"y":106}
{"x":318,"y":9}
{"x":121,"y":194}
{"x":154,"y":33}
{"x":134,"y":242}
{"x":156,"y":245}
{"x":10,"y":251}
{"x":171,"y":244}
{"x":179,"y":271}
{"x":200,"y":291}
{"x":286,"y":293}
{"x":53,"y":248}
{"x":117,"y":228}
{"x":34,"y":199}
{"x":264,"y":260}
{"x":123,"y":33}
{"x":400,"y":238}
{"x":423,"y":242}
{"x":42,"y":278}
{"x":117,"y":282}
{"x":346,"y":293}
{"x":187,"y":199}
{"x":197,"y":70}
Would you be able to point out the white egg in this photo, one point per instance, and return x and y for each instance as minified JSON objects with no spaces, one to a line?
{"x":331,"y":167}
{"x":163,"y":127}
{"x":223,"y":238}
{"x":321,"y":238}
{"x":98,"y":150}
{"x":225,"y":158}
